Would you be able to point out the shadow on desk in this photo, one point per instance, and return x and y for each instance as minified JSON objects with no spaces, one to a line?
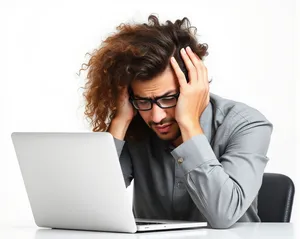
{"x":238,"y":231}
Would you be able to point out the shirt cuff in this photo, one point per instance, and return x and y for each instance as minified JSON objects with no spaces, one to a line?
{"x":119,"y":145}
{"x":193,"y":153}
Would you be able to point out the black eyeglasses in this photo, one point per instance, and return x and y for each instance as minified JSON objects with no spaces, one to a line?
{"x":163,"y":102}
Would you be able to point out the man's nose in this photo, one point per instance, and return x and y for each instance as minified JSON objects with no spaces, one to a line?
{"x":157,"y":113}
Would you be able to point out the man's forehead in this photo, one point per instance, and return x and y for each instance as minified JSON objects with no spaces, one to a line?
{"x":155,"y":95}
{"x":157,"y":86}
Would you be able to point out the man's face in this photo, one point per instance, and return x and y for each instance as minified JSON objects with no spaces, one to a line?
{"x":161,"y":121}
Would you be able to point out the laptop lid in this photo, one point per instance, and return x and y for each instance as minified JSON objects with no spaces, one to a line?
{"x":74,"y":180}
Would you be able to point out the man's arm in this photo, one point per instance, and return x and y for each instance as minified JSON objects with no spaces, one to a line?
{"x":224,"y":188}
{"x":118,"y":130}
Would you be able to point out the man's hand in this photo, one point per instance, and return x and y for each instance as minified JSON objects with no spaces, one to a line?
{"x":125,"y":111}
{"x":124,"y":115}
{"x":194,"y":95}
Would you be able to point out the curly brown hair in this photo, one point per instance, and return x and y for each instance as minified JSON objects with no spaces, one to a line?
{"x":136,"y":51}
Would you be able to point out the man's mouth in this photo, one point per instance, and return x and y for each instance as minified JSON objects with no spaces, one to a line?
{"x":163,"y":128}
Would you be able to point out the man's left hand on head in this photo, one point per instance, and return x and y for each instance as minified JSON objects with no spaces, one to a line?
{"x":194,"y":94}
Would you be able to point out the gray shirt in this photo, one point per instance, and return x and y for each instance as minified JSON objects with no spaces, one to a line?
{"x":213,"y":177}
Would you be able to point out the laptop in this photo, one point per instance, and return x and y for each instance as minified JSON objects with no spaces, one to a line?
{"x":75,"y":181}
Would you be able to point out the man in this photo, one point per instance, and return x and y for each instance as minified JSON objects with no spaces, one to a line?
{"x":193,"y":155}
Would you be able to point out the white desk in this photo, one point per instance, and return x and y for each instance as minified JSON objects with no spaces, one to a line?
{"x":238,"y":231}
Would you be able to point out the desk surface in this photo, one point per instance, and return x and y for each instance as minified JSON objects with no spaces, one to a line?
{"x":239,"y":230}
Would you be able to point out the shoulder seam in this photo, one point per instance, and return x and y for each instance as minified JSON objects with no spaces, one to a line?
{"x":220,"y":110}
{"x":238,"y":113}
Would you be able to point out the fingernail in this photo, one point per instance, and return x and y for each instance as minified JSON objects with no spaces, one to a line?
{"x":172,"y":59}
{"x":189,"y":49}
{"x":183,"y":51}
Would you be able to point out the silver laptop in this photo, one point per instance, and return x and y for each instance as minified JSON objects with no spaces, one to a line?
{"x":75,"y":181}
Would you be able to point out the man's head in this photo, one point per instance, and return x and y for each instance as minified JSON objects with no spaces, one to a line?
{"x":138,"y":56}
{"x":159,"y":115}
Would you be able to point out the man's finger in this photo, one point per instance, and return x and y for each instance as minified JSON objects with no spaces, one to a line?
{"x":204,"y":75}
{"x":192,"y":71}
{"x":196,"y":61}
{"x":180,"y":75}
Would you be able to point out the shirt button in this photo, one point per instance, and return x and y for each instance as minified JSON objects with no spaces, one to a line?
{"x":180,"y":160}
{"x":179,"y":184}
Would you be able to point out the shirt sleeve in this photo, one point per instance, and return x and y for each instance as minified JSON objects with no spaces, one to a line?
{"x":125,"y":160}
{"x":224,"y":188}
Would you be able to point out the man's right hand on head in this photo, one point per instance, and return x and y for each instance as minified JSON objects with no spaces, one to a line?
{"x":124,"y":115}
{"x":125,"y":110}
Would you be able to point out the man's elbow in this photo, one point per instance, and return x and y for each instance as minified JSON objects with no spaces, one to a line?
{"x":223,"y":222}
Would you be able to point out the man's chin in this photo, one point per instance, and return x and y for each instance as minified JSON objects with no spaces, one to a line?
{"x":165,"y":137}
{"x":169,"y":136}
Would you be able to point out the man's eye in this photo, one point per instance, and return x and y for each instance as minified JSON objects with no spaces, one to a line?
{"x":142,"y":101}
{"x":168,"y":101}
{"x":168,"y":98}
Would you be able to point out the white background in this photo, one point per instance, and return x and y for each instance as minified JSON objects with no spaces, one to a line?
{"x":252,"y":58}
